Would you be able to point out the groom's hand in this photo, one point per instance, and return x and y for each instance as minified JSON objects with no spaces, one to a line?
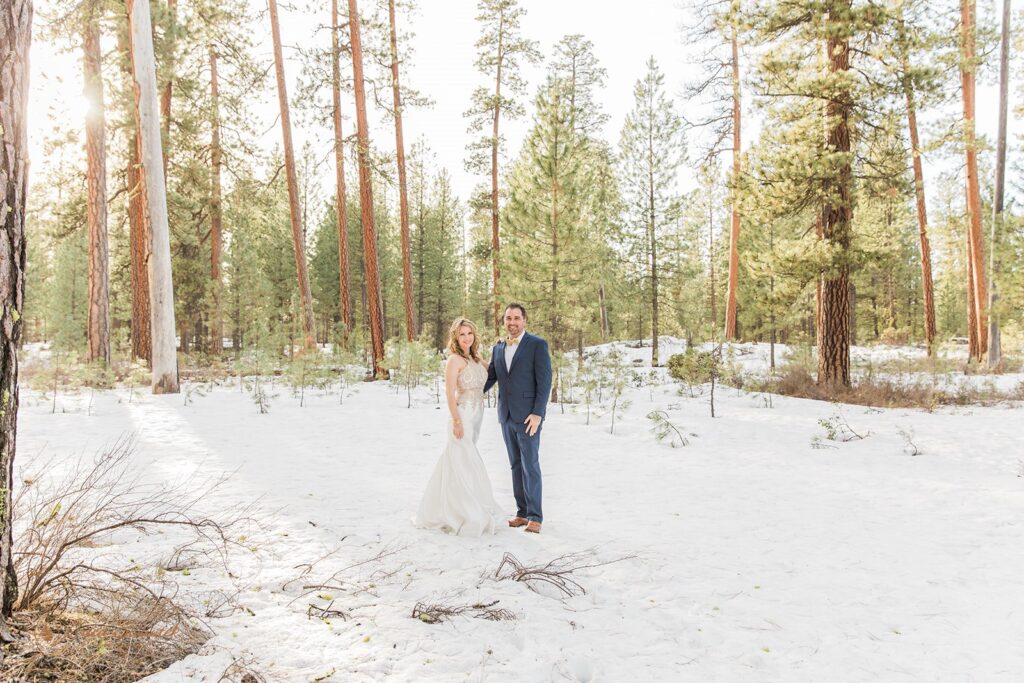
{"x":532,"y":423}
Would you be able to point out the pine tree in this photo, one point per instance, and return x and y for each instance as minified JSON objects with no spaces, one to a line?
{"x":309,"y":326}
{"x":545,"y":234}
{"x":164,"y":360}
{"x":403,"y":198}
{"x":501,"y":50}
{"x":576,"y":66}
{"x":995,"y":351}
{"x":16,"y":27}
{"x":977,"y":284}
{"x":913,"y":80}
{"x":371,"y":262}
{"x":819,"y":144}
{"x":96,"y":152}
{"x":717,"y":28}
{"x":345,"y":296}
{"x":652,"y":150}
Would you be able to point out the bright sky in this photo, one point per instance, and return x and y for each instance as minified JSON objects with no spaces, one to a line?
{"x":624,"y":36}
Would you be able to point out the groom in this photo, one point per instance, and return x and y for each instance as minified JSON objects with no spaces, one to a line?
{"x":521,"y":366}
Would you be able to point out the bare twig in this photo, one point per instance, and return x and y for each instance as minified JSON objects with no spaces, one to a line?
{"x":436,"y":613}
{"x":558,"y":572}
{"x":94,"y":500}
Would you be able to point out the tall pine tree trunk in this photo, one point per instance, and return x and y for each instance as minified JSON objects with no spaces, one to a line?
{"x":973,"y":343}
{"x":922,"y":214}
{"x":344,"y":292}
{"x":96,"y":179}
{"x":734,"y":232}
{"x":165,"y":96}
{"x":138,"y":230}
{"x":217,"y":283}
{"x":138,"y":241}
{"x":306,"y":295}
{"x":403,"y":197}
{"x":834,"y":325}
{"x":15,"y":39}
{"x":995,"y":351}
{"x":712,"y":285}
{"x":161,"y":289}
{"x":976,"y":254}
{"x":495,"y":240}
{"x":376,"y":312}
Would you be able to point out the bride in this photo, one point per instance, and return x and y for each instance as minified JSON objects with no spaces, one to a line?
{"x":458,"y":498}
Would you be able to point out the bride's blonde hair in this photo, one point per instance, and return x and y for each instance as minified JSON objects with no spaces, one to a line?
{"x":453,"y":339}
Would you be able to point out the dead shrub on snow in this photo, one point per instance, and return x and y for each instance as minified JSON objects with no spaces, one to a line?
{"x":89,"y":614}
{"x":558,"y":573}
{"x":435,"y":613}
{"x":874,"y":391}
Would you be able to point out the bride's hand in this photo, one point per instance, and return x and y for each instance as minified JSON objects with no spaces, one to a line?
{"x":458,"y":431}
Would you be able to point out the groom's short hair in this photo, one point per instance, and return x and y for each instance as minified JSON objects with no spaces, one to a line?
{"x":521,"y":308}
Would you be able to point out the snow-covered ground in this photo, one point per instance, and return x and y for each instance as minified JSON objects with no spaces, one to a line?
{"x":760,"y":551}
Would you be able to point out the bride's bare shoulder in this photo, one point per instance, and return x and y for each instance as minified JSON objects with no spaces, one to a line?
{"x":457,"y":361}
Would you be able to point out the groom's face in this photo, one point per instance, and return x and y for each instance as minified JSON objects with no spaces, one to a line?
{"x":514,"y":321}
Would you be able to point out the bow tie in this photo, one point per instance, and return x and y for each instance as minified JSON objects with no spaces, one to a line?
{"x":512,"y":342}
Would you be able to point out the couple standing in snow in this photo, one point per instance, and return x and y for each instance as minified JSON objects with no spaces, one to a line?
{"x":459,"y":498}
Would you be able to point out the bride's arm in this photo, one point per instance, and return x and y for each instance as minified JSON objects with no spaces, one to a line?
{"x":451,"y":380}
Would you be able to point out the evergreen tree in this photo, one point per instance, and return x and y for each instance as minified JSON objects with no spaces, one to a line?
{"x":651,"y":150}
{"x":501,"y":50}
{"x":545,"y":235}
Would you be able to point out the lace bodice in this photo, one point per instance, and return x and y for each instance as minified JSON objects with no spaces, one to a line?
{"x":470,"y":385}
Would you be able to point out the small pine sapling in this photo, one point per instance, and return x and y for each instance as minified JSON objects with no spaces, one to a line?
{"x":589,"y":381}
{"x":698,"y":367}
{"x":618,"y":375}
{"x":411,"y":364}
{"x":665,"y":430}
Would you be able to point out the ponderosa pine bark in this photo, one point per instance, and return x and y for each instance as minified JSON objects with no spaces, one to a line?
{"x":138,"y":246}
{"x":305,"y":293}
{"x":919,"y":194}
{"x":978,"y":285}
{"x":138,"y":230}
{"x":345,"y":294}
{"x":403,"y":197}
{"x":98,"y":325}
{"x":834,"y":340}
{"x":734,"y":228}
{"x":15,"y":40}
{"x":375,"y":313}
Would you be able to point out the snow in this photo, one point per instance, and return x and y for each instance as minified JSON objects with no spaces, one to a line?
{"x":761,"y":551}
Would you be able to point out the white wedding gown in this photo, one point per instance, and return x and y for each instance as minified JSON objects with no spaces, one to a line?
{"x":459,"y":498}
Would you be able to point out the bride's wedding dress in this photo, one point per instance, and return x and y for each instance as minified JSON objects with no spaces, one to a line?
{"x":459,"y":498}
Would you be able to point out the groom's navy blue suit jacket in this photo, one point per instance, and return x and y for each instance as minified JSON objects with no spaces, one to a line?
{"x":524,"y":388}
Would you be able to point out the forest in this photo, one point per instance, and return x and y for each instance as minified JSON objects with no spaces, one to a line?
{"x":819,"y":231}
{"x":836,"y":178}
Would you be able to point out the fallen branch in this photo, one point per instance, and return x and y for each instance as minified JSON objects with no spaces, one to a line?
{"x":436,"y":613}
{"x":558,"y":572}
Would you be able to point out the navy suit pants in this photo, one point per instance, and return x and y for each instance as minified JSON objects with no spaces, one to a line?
{"x":524,"y":457}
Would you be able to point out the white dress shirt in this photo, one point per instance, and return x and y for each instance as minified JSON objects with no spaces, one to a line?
{"x":510,"y":350}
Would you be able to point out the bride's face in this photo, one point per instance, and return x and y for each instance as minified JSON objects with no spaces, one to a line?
{"x":466,"y":338}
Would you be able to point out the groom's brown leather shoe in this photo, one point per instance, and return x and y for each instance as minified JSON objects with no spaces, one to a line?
{"x":517,"y":522}
{"x":533,"y":527}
